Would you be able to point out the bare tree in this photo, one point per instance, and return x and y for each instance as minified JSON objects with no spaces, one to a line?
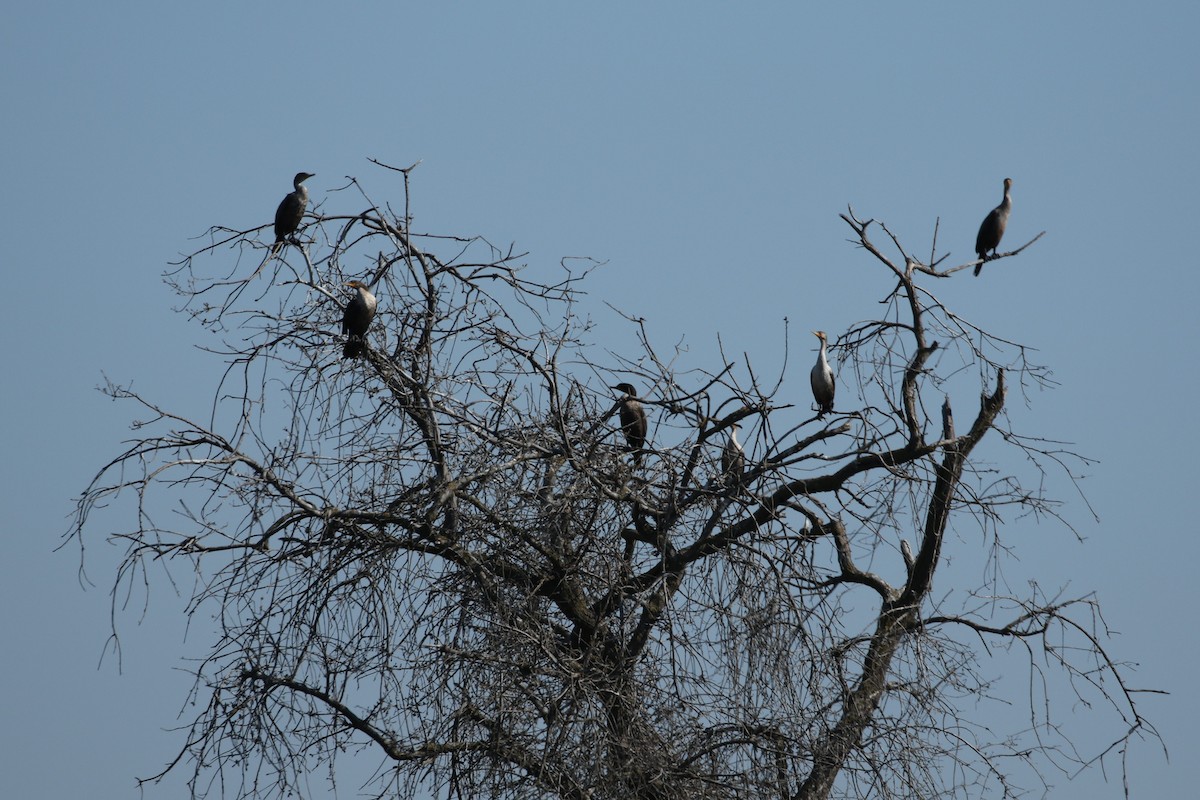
{"x":440,"y":558}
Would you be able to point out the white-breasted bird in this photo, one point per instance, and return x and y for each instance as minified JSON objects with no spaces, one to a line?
{"x":823,"y":384}
{"x":733,"y":459}
{"x":357,"y":318}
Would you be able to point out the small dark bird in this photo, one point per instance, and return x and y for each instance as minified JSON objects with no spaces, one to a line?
{"x":357,"y":318}
{"x":733,"y":459}
{"x":821,"y":378}
{"x":633,"y":421}
{"x":991,"y":231}
{"x":291,"y":210}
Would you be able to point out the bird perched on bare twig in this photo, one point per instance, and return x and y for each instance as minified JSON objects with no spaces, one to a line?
{"x":823,"y":384}
{"x":633,"y":421}
{"x":291,"y":210}
{"x":991,"y":231}
{"x":357,"y":318}
{"x":733,"y":459}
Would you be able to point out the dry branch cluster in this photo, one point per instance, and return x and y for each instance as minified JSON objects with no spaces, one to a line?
{"x":438,"y":557}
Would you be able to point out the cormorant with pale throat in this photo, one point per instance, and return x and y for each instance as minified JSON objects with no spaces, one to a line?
{"x":291,"y":210}
{"x":821,"y":377}
{"x":633,"y":421}
{"x":991,"y":231}
{"x":357,"y":318}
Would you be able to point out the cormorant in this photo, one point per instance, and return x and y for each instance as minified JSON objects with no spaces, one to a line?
{"x":821,"y":377}
{"x":357,"y":318}
{"x":991,"y":231}
{"x":733,"y":459}
{"x":291,"y":210}
{"x":633,"y":421}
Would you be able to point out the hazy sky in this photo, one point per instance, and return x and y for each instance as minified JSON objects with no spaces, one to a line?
{"x":704,"y":152}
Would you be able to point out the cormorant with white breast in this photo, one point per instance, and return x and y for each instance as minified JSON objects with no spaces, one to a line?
{"x":633,"y":421}
{"x":821,"y":377}
{"x":357,"y":318}
{"x":291,"y":210}
{"x":991,"y":231}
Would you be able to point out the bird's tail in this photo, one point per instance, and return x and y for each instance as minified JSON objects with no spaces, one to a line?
{"x":978,"y":268}
{"x":352,"y":348}
{"x":275,"y":248}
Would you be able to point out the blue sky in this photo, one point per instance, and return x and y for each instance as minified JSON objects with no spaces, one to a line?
{"x":704,"y":152}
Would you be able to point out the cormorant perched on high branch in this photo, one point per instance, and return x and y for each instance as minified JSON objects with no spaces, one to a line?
{"x":633,"y":421}
{"x":821,"y":377}
{"x":991,"y":231}
{"x":357,"y":318}
{"x":291,"y":210}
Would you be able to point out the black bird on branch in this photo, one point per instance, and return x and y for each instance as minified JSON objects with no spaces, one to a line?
{"x":291,"y":210}
{"x":991,"y":231}
{"x":633,"y":421}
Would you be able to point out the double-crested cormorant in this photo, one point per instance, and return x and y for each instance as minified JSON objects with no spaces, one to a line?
{"x":291,"y":209}
{"x":633,"y":421}
{"x":357,"y":318}
{"x":992,"y":229}
{"x":821,"y":377}
{"x":733,"y":460}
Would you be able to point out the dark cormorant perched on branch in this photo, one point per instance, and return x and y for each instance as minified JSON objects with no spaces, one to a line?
{"x":357,"y":318}
{"x":991,"y":231}
{"x":821,"y":377}
{"x":291,"y":210}
{"x":633,"y":421}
